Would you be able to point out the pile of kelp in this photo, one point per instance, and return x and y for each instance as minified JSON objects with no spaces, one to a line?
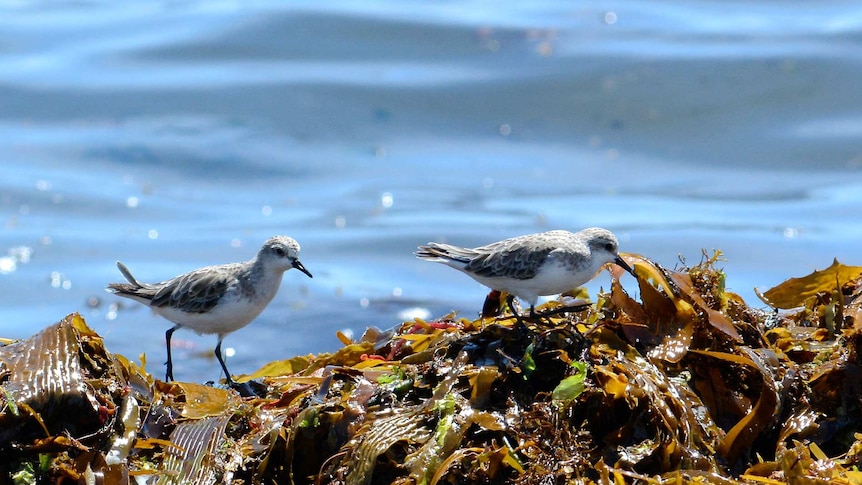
{"x":682,"y":383}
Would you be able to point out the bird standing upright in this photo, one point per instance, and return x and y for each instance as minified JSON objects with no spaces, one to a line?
{"x":216,"y":299}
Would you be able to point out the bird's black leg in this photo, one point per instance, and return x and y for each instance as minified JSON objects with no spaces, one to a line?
{"x":221,"y":361}
{"x":510,"y":300}
{"x":520,"y":326}
{"x":169,"y":375}
{"x":244,"y":389}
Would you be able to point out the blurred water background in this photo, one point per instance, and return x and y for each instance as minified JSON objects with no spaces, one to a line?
{"x":172,"y":135}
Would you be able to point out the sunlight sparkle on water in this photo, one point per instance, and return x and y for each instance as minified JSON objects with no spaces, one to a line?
{"x":111,"y":314}
{"x":21,"y":254}
{"x":413,"y":313}
{"x":7,"y":265}
{"x":60,"y":281}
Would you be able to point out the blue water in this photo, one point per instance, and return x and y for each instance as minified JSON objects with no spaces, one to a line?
{"x":179,"y":134}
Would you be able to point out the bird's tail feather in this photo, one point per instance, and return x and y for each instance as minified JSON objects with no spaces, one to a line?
{"x":127,"y":274}
{"x":444,"y":252}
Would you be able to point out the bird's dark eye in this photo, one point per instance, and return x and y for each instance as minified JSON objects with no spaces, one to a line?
{"x":279,"y":251}
{"x":609,"y":247}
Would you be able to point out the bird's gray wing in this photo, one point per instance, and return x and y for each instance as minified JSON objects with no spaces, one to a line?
{"x":195,"y":292}
{"x":517,"y":262}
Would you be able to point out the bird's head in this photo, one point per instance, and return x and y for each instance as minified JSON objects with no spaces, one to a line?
{"x":605,"y":248}
{"x":282,"y":252}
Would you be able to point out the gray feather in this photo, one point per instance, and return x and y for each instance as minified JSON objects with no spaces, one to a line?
{"x":195,"y":292}
{"x":517,"y":263}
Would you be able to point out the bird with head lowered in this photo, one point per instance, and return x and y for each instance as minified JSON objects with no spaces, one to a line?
{"x":534,"y":265}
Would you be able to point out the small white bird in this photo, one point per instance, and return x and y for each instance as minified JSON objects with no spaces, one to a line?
{"x":216,"y":299}
{"x":534,"y":265}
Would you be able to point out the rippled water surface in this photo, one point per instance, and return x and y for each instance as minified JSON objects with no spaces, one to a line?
{"x":180,"y":134}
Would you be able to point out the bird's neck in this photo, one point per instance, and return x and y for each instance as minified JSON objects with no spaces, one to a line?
{"x":264,"y":279}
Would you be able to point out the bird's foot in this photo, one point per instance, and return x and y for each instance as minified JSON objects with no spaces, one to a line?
{"x":563,"y":309}
{"x":245,"y":389}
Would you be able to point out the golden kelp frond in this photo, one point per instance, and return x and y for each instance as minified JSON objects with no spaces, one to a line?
{"x":794,"y":292}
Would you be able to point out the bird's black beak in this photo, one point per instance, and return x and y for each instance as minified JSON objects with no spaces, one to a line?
{"x":622,"y":264}
{"x":299,"y":266}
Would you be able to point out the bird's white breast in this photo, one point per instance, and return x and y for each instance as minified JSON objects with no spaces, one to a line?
{"x":551,"y":279}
